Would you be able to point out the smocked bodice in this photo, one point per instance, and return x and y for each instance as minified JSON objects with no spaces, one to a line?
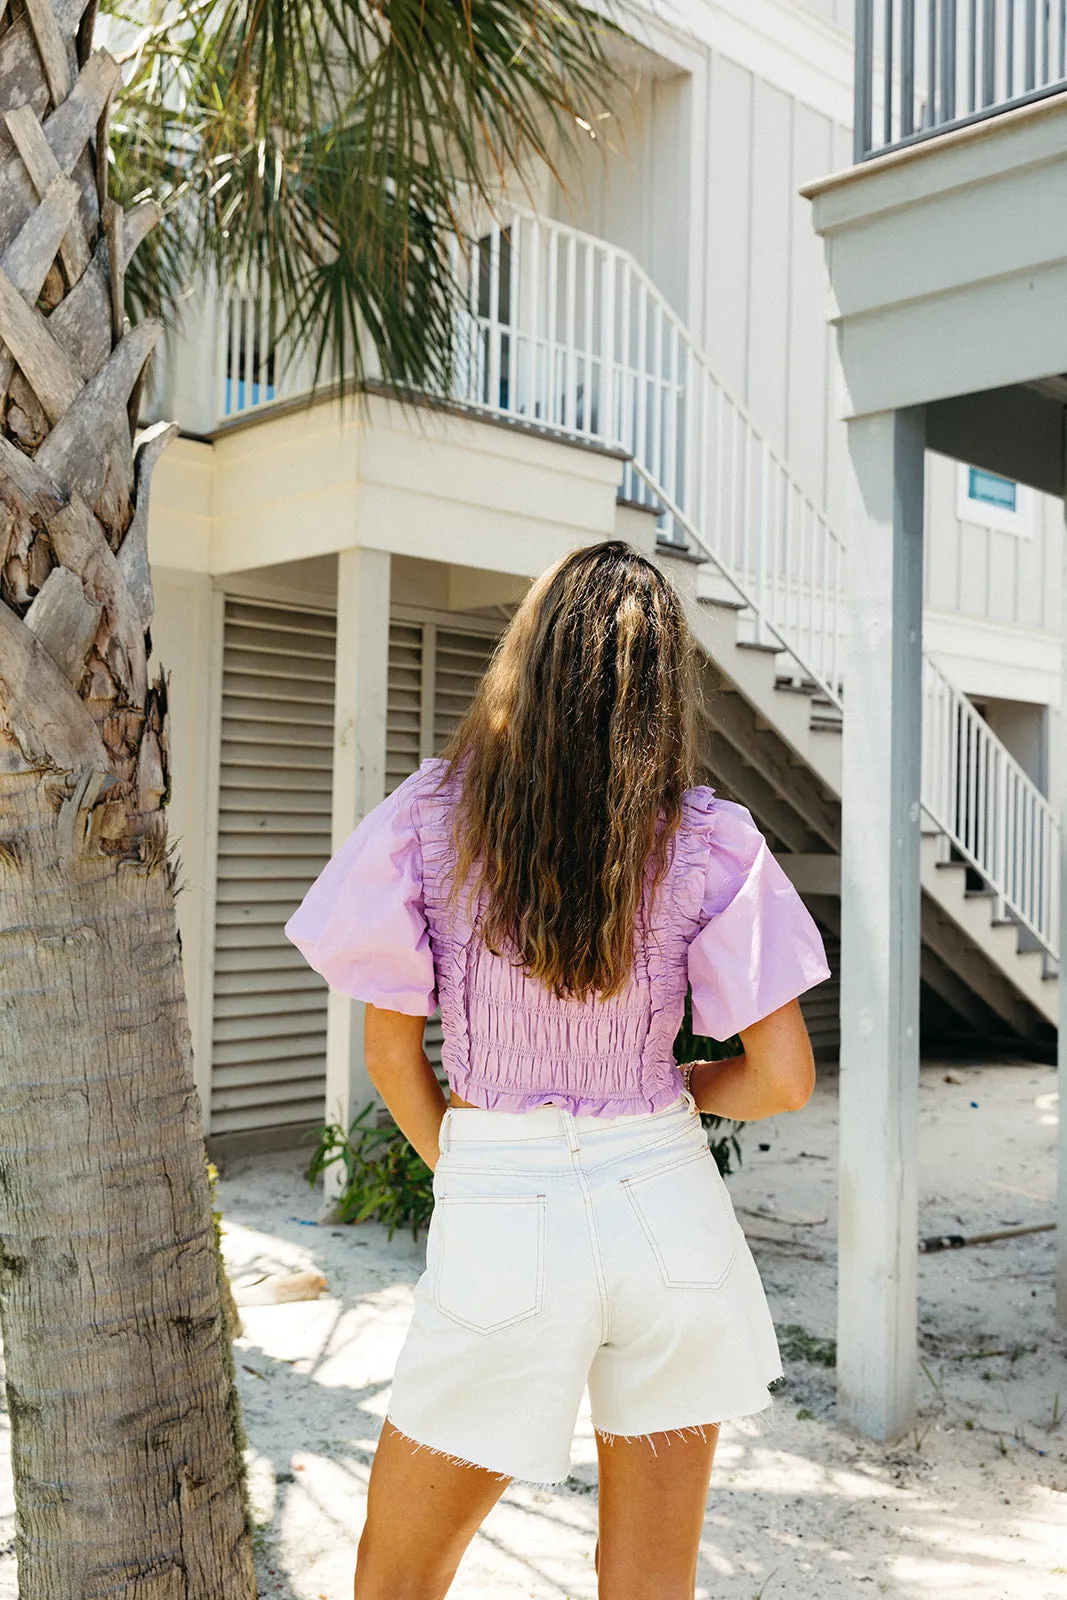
{"x":510,"y":1044}
{"x":725,"y":920}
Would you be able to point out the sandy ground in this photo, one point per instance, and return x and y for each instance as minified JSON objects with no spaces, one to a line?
{"x":972,"y":1503}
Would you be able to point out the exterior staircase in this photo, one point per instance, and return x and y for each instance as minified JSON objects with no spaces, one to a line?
{"x":775,"y":745}
{"x":565,"y":334}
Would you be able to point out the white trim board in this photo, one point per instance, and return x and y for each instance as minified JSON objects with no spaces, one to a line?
{"x":988,"y":658}
{"x":786,"y":45}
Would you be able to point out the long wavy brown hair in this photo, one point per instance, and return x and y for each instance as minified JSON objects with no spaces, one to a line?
{"x":581,"y":737}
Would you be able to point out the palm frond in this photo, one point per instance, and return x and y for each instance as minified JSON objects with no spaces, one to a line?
{"x":319,"y":147}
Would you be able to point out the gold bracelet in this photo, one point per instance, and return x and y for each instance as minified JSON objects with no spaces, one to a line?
{"x":687,"y":1074}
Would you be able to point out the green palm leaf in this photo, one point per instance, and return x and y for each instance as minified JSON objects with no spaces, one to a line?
{"x":320,"y":147}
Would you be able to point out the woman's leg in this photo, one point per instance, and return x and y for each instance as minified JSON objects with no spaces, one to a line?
{"x":422,"y":1512}
{"x":653,"y":1491}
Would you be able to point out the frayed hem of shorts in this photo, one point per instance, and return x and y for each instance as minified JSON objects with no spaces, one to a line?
{"x":478,"y":1466}
{"x":754,"y":1422}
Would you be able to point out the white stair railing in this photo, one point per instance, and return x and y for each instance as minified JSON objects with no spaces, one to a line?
{"x":994,"y":816}
{"x":566,"y":333}
{"x":254,"y":368}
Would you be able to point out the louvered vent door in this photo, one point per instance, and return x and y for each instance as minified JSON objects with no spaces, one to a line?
{"x":460,"y":658}
{"x":269,"y":1046}
{"x":434,"y":670}
{"x":403,"y":722}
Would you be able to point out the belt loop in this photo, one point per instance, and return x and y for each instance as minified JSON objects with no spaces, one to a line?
{"x":693,"y":1111}
{"x":444,"y":1130}
{"x":570,"y":1130}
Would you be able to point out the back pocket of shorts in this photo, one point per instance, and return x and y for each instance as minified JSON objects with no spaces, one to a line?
{"x":686,"y":1216}
{"x":490,"y":1267}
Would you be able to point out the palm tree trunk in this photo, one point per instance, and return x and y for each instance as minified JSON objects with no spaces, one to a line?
{"x":125,"y":1432}
{"x":125,"y":1441}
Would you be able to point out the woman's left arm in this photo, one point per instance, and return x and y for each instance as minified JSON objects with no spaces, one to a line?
{"x":400,"y":1070}
{"x":775,"y":1073}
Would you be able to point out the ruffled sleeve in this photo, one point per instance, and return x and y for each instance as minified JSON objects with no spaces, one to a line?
{"x":757,"y":946}
{"x":362,"y":923}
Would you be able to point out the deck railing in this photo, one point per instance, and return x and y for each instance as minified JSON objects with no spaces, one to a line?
{"x":564,"y":333}
{"x":926,"y":65}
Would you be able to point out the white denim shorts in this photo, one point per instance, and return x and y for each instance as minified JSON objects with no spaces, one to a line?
{"x":572,"y":1250}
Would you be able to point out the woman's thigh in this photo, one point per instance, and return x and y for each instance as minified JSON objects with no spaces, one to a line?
{"x":653,"y":1492}
{"x":422,"y":1512}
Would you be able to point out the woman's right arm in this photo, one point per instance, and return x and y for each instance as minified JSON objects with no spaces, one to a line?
{"x":776,"y":1072}
{"x":400,"y":1070}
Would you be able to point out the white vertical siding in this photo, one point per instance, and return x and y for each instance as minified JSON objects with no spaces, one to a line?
{"x":728,"y":230}
{"x":986,"y":573}
{"x":840,"y":12}
{"x":635,"y":193}
{"x":810,"y":403}
{"x":770,"y":263}
{"x":837,"y":472}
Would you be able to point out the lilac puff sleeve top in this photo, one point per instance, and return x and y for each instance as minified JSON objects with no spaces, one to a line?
{"x":726,"y":920}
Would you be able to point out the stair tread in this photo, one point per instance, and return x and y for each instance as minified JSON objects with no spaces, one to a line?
{"x":790,"y":686}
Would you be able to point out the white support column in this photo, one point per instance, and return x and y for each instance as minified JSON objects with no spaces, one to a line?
{"x":358,"y":785}
{"x":880,"y":897}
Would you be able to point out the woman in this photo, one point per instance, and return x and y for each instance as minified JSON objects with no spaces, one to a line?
{"x":555,"y":881}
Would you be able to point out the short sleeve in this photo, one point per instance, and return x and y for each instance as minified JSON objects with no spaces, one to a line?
{"x":758,"y":947}
{"x":362,"y":924}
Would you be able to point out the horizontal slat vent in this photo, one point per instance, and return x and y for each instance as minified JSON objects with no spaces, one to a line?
{"x":460,"y":659}
{"x":269,"y":1049}
{"x":403,"y":724}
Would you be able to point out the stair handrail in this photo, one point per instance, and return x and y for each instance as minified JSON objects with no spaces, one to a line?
{"x":991,"y":812}
{"x":568,"y":332}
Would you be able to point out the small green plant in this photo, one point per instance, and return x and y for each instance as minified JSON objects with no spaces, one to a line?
{"x":689,"y":1046}
{"x":385,"y":1178}
{"x":797,"y":1344}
